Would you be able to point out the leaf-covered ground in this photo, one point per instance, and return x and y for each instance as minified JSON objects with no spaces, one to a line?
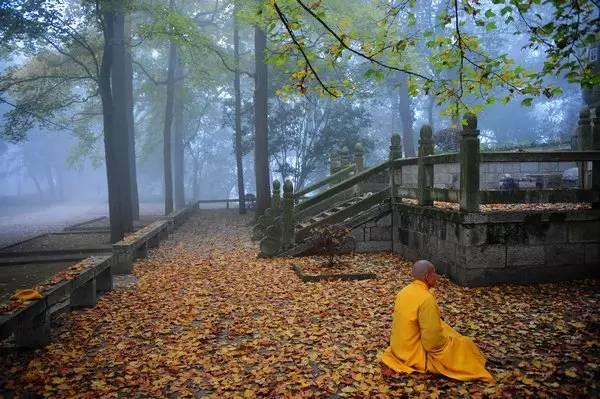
{"x":207,"y":318}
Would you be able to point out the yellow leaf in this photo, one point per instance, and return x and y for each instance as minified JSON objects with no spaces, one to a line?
{"x":572,"y":372}
{"x":249,"y":394}
{"x":536,"y":363}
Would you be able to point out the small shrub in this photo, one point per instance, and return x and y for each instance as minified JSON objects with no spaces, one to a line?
{"x":331,"y":241}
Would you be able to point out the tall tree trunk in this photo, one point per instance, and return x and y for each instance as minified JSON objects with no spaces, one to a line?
{"x":195,"y":172}
{"x":238,"y":114}
{"x":261,"y":151}
{"x":406,"y":116}
{"x":135,"y":202}
{"x":120,"y":102}
{"x":178,"y":157}
{"x":118,"y":222}
{"x":168,"y":175}
{"x":50,"y":181}
{"x":37,"y":185}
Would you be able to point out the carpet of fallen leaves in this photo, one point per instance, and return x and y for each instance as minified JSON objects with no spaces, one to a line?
{"x":559,"y":206}
{"x":207,"y":318}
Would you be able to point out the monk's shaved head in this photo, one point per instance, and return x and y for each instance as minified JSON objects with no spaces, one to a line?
{"x":421,"y":268}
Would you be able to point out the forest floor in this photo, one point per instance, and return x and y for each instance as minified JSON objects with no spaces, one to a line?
{"x":208,"y":318}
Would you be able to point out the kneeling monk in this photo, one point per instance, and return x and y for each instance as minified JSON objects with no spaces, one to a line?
{"x":422,"y":342}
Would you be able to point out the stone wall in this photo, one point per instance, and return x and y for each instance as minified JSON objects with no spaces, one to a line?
{"x":375,"y":235}
{"x":489,"y":248}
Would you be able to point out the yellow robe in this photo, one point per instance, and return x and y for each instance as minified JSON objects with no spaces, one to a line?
{"x":422,"y":342}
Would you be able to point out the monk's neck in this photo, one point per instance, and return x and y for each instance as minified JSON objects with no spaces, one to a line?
{"x":422,"y":284}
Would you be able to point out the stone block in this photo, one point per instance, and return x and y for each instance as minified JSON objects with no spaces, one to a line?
{"x":382,"y":233}
{"x":122,"y":260}
{"x":358,"y":234}
{"x":584,"y":232}
{"x":84,"y":296}
{"x":482,"y":257}
{"x":104,"y":281}
{"x":34,"y":333}
{"x":473,"y":234}
{"x":592,"y":254}
{"x":549,"y":167}
{"x":142,"y":251}
{"x":522,"y":255}
{"x":546,"y":232}
{"x":373,"y":246}
{"x":385,"y":221}
{"x":403,"y":236}
{"x":510,"y":167}
{"x":452,"y":232}
{"x":565,"y":254}
{"x":530,"y":167}
{"x":154,"y":241}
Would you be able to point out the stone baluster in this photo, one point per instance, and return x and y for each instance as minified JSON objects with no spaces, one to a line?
{"x":396,"y":147}
{"x":335,"y":164}
{"x":345,"y":156}
{"x":288,"y":222}
{"x":395,"y":173}
{"x":469,"y":157}
{"x":425,"y":172}
{"x":359,"y":160}
{"x":584,"y":143}
{"x":595,"y":145}
{"x":276,"y":198}
{"x":359,"y":165}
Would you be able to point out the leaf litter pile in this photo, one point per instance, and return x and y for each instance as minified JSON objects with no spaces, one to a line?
{"x":209,"y":319}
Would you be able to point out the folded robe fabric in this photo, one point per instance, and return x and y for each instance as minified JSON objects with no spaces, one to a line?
{"x":422,"y":342}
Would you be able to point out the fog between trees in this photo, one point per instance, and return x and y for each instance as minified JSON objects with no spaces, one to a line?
{"x":90,"y":85}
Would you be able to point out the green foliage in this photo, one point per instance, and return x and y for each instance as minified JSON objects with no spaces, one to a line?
{"x":464,"y":76}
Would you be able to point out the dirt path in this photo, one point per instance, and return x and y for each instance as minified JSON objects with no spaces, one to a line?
{"x":207,"y":318}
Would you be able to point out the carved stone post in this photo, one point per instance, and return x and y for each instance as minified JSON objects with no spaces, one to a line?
{"x":359,"y":165}
{"x":395,"y":174}
{"x":469,"y":165}
{"x":425,"y":172}
{"x":335,"y":163}
{"x":359,"y":160}
{"x":595,"y":144}
{"x":345,"y":156}
{"x":276,"y":198}
{"x":584,"y":141}
{"x":396,"y":147}
{"x":288,"y":216}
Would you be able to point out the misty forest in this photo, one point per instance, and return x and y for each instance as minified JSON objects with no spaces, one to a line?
{"x":245,"y":198}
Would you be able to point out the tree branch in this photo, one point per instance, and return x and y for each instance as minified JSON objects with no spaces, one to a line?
{"x":358,"y":53}
{"x":291,"y":33}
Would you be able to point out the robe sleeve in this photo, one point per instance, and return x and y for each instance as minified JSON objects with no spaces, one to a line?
{"x":430,"y":325}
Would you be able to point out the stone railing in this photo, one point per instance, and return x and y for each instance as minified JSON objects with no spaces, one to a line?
{"x":469,"y":158}
{"x":277,"y":227}
{"x":30,"y":323}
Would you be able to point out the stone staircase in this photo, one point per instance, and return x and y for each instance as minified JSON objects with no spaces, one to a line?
{"x":349,"y":212}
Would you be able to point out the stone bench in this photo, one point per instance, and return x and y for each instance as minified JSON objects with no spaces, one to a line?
{"x":178,"y":217}
{"x":31,"y":323}
{"x":136,"y":245}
